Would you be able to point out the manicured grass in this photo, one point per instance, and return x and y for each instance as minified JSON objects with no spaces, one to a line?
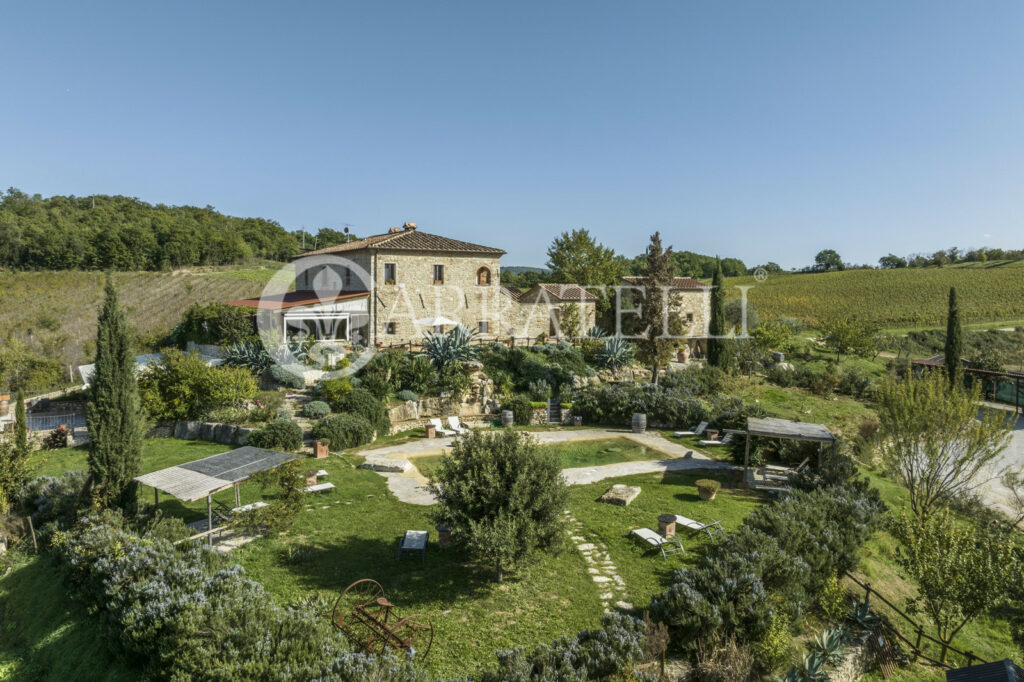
{"x":579,"y":454}
{"x":45,"y":635}
{"x":642,"y":568}
{"x":352,"y":533}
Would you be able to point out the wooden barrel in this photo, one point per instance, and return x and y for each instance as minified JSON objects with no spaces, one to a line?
{"x":639,"y":422}
{"x":507,"y":418}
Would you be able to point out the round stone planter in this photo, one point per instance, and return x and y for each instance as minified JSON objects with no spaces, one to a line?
{"x":706,"y":494}
{"x":507,"y":418}
{"x":639,"y":422}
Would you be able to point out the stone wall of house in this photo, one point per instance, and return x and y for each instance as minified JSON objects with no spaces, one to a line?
{"x":415,"y":296}
{"x":534,"y":318}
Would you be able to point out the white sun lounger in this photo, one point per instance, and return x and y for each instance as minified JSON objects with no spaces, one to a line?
{"x":252,"y":506}
{"x":698,"y":430}
{"x":724,"y":441}
{"x":713,"y":529}
{"x":666,"y":545}
{"x":439,"y":428}
{"x":455,"y":425}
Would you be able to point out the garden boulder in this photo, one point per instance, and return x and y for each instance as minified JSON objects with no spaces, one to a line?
{"x":620,"y":494}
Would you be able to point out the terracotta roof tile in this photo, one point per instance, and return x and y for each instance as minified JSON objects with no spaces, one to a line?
{"x":567,"y":292}
{"x":406,"y":240}
{"x":677,"y":283}
{"x":293,"y":299}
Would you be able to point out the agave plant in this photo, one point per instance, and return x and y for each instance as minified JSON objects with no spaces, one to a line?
{"x":596,"y":332}
{"x":249,"y":354}
{"x":864,"y":617}
{"x":616,"y":352}
{"x":450,"y":347}
{"x":831,"y":645}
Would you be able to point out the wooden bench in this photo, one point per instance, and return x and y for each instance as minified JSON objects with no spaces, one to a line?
{"x":653,"y":539}
{"x":319,"y":487}
{"x":413,"y":541}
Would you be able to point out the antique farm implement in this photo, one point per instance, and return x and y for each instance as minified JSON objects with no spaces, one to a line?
{"x":370,"y":622}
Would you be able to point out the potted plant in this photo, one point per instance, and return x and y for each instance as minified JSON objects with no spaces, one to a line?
{"x":707,"y":488}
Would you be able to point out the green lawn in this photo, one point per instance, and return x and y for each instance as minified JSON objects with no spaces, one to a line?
{"x":841,"y":414}
{"x":44,"y":635}
{"x":578,"y":454}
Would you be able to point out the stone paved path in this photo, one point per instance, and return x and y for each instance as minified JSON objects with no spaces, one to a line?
{"x":599,"y":565}
{"x":410,"y":486}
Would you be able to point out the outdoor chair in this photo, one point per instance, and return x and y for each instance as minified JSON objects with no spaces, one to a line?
{"x":456,"y":425}
{"x":653,"y":539}
{"x":413,"y":541}
{"x":698,"y":430}
{"x":713,"y":529}
{"x":439,"y":428}
{"x":724,"y":441}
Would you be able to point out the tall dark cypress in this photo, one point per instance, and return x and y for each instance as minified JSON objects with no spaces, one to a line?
{"x":717,"y":349}
{"x":954,"y":340}
{"x":20,"y":427}
{"x":114,"y":413}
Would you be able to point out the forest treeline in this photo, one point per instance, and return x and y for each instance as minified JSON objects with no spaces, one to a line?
{"x":122,"y":233}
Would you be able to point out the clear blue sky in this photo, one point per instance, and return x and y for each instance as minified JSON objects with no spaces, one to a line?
{"x":762,"y":130}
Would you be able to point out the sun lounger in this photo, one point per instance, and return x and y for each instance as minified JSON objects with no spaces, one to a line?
{"x":252,"y":506}
{"x":698,"y":430}
{"x":321,"y":473}
{"x":653,"y":539}
{"x":455,"y":425}
{"x":439,"y":428}
{"x":713,"y":529}
{"x":724,"y":441}
{"x":319,"y":487}
{"x":413,"y":541}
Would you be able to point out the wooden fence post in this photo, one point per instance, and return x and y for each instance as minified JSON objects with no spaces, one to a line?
{"x":917,"y":646}
{"x":867,"y":593}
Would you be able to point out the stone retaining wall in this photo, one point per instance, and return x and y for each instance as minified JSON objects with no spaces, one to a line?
{"x":225,"y":434}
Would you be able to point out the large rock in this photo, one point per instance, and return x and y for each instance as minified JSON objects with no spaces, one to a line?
{"x":206,"y":431}
{"x":382,"y":463}
{"x":224,"y":433}
{"x":620,"y":494}
{"x":242,"y":435}
{"x":187,"y":430}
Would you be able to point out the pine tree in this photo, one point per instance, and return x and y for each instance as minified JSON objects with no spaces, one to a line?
{"x":718,"y":352}
{"x":954,"y":340}
{"x":114,"y":413}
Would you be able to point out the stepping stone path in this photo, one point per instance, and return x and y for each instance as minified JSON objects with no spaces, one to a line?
{"x":599,"y":565}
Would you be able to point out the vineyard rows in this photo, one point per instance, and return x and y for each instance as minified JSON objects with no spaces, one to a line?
{"x":890,"y":298}
{"x":57,"y":310}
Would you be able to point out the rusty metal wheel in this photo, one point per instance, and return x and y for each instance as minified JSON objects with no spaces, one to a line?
{"x":416,"y":634}
{"x":364,"y":593}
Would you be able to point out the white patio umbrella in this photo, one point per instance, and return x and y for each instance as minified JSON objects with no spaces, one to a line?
{"x":436,"y":321}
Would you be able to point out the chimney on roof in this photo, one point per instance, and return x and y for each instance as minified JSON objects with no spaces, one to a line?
{"x":394,"y":230}
{"x":409,"y":226}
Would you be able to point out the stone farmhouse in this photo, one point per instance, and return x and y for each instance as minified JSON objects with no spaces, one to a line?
{"x":692,"y":302}
{"x":389,"y":289}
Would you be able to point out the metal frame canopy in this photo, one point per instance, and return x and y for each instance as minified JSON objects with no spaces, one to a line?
{"x":772,"y":427}
{"x":193,"y":481}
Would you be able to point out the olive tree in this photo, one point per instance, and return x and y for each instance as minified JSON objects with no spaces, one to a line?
{"x":936,"y":440}
{"x":961,"y":570}
{"x":502,"y":497}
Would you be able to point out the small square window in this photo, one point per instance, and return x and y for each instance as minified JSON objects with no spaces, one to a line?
{"x":483,"y":327}
{"x":389,"y":273}
{"x":438,"y":274}
{"x":689,"y":317}
{"x":389,"y":328}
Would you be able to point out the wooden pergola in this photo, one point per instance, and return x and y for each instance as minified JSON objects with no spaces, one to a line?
{"x":771,"y":427}
{"x":205,"y":477}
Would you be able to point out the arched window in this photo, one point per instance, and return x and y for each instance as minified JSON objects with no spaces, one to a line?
{"x":483,"y":277}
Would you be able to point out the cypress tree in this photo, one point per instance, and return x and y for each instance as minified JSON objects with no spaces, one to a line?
{"x":717,"y":350}
{"x":954,"y":340}
{"x":20,"y":427}
{"x":114,"y":413}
